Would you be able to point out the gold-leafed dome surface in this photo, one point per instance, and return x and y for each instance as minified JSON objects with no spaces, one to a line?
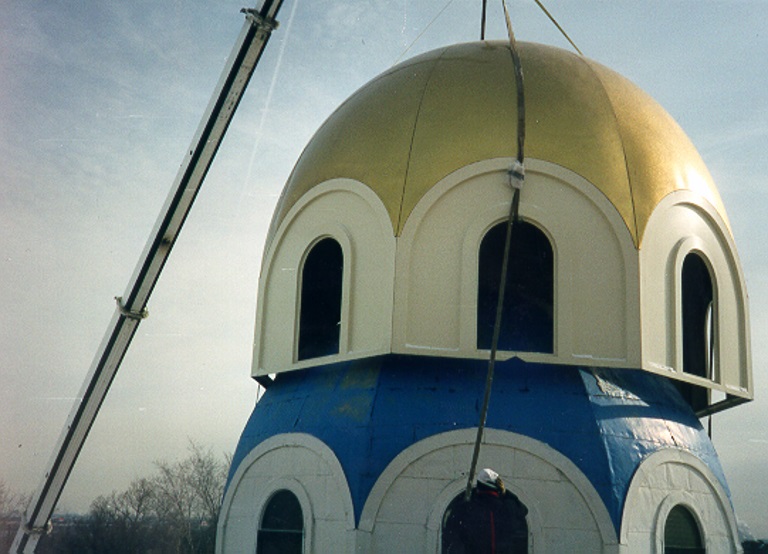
{"x":408,"y":128}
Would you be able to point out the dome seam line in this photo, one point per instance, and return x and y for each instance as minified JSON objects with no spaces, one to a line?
{"x":400,"y":223}
{"x":635,"y":230}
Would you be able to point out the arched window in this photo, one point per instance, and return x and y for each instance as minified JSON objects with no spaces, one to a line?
{"x":320,"y":312}
{"x":476,"y":525}
{"x":282,"y":526}
{"x":681,"y":533}
{"x":698,"y":332}
{"x":527,"y":322}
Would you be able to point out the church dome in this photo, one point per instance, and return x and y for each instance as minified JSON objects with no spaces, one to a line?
{"x":626,"y":321}
{"x":405,"y":186}
{"x":410,"y":127}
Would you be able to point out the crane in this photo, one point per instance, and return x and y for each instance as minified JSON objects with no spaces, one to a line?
{"x":132,"y":306}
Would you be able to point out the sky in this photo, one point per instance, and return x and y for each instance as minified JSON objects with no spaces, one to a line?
{"x":100,"y":99}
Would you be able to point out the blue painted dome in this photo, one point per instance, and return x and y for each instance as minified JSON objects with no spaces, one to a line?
{"x":368,"y":411}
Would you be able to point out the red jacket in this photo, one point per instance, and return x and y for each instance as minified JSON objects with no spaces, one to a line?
{"x":489,"y":523}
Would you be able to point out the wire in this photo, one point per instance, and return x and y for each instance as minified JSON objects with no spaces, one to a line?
{"x":552,"y":19}
{"x":268,"y":102}
{"x":400,"y":57}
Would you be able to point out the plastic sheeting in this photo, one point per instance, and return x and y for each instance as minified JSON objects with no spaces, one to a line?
{"x":368,"y":411}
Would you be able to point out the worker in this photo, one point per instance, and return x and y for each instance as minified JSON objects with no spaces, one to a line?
{"x":492,"y":521}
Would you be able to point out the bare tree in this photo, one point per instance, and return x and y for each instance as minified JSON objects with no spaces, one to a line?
{"x":188,"y":497}
{"x":208,"y":475}
{"x":12,"y":504}
{"x":175,"y":501}
{"x":125,"y":522}
{"x":173,"y":511}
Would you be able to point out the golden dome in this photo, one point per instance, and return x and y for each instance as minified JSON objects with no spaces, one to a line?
{"x":408,"y":128}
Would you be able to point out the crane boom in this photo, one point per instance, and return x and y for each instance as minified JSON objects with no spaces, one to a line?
{"x":132,"y":306}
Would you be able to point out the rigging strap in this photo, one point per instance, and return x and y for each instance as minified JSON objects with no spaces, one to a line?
{"x":516,"y":176}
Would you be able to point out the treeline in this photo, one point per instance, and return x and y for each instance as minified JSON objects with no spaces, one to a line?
{"x":11,"y":505}
{"x":173,"y":511}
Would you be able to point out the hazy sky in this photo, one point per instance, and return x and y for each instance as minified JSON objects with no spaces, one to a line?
{"x":98,"y":102}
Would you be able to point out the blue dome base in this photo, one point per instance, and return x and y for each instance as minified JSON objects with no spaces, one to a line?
{"x":606,"y":421}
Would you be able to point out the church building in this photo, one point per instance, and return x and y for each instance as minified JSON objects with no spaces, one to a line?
{"x":625,"y":319}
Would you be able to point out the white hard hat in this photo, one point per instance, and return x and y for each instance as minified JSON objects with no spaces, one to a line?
{"x":488,"y":477}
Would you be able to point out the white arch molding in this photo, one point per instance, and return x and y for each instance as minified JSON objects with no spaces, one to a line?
{"x":435,"y":309}
{"x":407,"y":503}
{"x":674,"y":499}
{"x":682,"y":223}
{"x":352,"y":214}
{"x":265,"y":494}
{"x":668,"y":478}
{"x":303,"y":465}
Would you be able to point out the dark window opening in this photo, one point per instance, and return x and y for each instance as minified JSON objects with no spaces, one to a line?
{"x":492,"y":524}
{"x":321,"y":288}
{"x":282,"y":526}
{"x":698,"y":331}
{"x":681,"y":533}
{"x":527,"y":322}
{"x":696,"y":396}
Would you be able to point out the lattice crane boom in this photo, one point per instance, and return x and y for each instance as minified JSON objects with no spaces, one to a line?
{"x":132,"y":306}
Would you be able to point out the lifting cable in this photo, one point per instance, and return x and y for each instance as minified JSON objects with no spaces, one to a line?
{"x":421,"y":34}
{"x":516,"y":176}
{"x":546,"y":12}
{"x":710,"y":355}
{"x":559,"y":28}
